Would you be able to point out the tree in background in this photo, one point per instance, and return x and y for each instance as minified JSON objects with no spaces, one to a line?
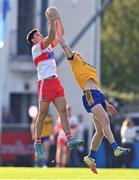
{"x":120,"y":46}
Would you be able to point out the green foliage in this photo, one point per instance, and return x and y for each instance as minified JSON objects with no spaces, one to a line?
{"x":130,"y":96}
{"x":120,"y":46}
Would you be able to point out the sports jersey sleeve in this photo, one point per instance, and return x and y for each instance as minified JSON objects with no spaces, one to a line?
{"x":36,"y":50}
{"x":73,"y":59}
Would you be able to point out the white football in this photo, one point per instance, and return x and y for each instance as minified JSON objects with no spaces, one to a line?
{"x":54,"y":11}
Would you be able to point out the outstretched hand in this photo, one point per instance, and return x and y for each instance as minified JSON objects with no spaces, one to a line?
{"x":111,"y":110}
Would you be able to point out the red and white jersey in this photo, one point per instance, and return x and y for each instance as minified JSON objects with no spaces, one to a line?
{"x":44,"y":60}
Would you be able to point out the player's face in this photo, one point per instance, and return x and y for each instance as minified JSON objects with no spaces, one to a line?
{"x":37,"y":37}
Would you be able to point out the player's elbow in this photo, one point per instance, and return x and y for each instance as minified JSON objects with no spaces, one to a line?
{"x":52,"y":37}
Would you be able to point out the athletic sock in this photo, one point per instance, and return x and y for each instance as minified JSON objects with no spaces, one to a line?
{"x":69,"y":135}
{"x":92,"y":154}
{"x":38,"y":140}
{"x":114,"y":146}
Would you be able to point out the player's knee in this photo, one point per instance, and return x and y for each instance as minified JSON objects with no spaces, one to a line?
{"x":42,"y":115}
{"x":104,"y":121}
{"x":99,"y":133}
{"x":62,"y":110}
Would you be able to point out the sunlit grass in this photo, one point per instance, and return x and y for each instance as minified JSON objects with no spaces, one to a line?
{"x":67,"y":173}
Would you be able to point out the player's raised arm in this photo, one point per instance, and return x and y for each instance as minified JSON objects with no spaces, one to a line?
{"x":51,"y":34}
{"x":59,"y":25}
{"x":60,"y":30}
{"x":68,"y":51}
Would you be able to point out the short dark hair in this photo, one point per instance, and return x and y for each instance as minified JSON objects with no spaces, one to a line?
{"x":30,"y":36}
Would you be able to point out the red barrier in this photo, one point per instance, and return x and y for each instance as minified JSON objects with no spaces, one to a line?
{"x":15,"y":144}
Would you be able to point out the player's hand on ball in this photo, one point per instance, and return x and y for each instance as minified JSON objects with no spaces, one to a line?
{"x":52,"y":13}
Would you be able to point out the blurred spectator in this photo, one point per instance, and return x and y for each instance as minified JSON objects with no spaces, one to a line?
{"x":62,"y":151}
{"x":81,"y":127}
{"x":7,"y":116}
{"x":46,"y":138}
{"x":128,"y":137}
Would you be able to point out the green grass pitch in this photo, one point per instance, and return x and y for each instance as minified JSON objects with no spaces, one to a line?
{"x":12,"y":173}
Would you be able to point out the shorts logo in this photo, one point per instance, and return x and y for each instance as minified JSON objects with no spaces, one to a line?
{"x":89,"y":97}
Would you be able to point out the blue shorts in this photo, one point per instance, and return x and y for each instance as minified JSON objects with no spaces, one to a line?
{"x":45,"y":138}
{"x":92,"y":98}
